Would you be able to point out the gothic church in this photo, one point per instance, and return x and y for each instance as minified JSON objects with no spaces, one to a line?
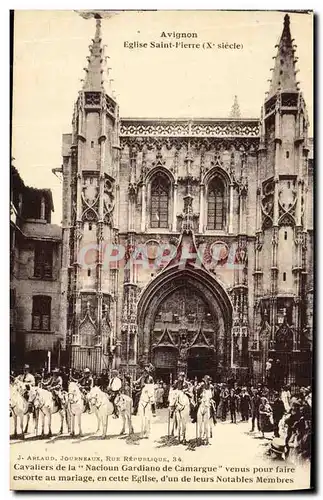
{"x":235,"y":193}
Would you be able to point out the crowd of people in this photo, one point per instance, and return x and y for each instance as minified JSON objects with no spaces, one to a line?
{"x":284,"y":412}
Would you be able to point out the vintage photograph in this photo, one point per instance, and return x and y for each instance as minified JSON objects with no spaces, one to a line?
{"x":161,"y":250}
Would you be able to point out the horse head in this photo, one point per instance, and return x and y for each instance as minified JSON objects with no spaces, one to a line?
{"x":74,"y":393}
{"x":148,"y":394}
{"x":181,"y":400}
{"x":19,"y":386}
{"x":34,"y":396}
{"x":94,"y":396}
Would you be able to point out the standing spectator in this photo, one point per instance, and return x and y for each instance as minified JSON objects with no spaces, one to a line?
{"x":265,"y":416}
{"x":245,"y":401}
{"x":224,"y":402}
{"x":165,"y":395}
{"x":278,"y":412}
{"x":159,"y":395}
{"x":233,"y":403}
{"x":255,"y":402}
{"x":286,"y":397}
{"x":269,"y":373}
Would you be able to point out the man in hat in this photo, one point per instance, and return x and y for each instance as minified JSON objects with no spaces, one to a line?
{"x":198,"y":390}
{"x":55,"y":385}
{"x":86,"y":383}
{"x":245,"y":403}
{"x":145,"y":378}
{"x":269,"y":372}
{"x":182,"y":384}
{"x":26,"y":377}
{"x":114,"y":389}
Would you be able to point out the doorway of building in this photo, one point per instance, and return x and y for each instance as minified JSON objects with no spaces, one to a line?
{"x":200,"y":362}
{"x":165,"y":362}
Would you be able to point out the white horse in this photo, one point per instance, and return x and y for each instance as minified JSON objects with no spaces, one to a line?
{"x":19,"y":408}
{"x":103,"y":407}
{"x":75,"y":407}
{"x":181,"y":405}
{"x":125,"y":405}
{"x":147,"y":399}
{"x":204,"y":428}
{"x":45,"y":406}
{"x":22,"y":389}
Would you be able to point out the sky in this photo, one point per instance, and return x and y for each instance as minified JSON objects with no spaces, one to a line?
{"x":50,"y":50}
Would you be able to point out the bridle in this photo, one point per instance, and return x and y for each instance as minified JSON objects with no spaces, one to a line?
{"x":95,"y":400}
{"x":205,"y":403}
{"x":177,"y":404}
{"x":36,"y":397}
{"x":72,"y":398}
{"x":145,"y":403}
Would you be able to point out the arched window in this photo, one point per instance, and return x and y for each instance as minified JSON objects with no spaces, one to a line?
{"x":41,"y":312}
{"x":160,"y":187}
{"x":215,"y":205}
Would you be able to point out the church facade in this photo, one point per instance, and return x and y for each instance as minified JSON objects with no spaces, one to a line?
{"x":188,"y":244}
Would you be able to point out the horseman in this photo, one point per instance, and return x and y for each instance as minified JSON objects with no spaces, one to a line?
{"x":206,"y":385}
{"x":145,"y":378}
{"x":182,"y":384}
{"x":114,"y":387}
{"x":26,"y":377}
{"x":103,"y":381}
{"x":65,"y":378}
{"x":55,"y":386}
{"x":86,"y":383}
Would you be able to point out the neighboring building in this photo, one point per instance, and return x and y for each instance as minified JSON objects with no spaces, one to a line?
{"x":35,"y":262}
{"x":237,"y":189}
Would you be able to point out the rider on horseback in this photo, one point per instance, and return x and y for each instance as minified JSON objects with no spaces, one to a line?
{"x":183,"y":385}
{"x":29,"y":381}
{"x":86,"y":383}
{"x":26,"y":377}
{"x":114,"y":389}
{"x":145,"y":378}
{"x":55,"y":385}
{"x":206,"y":385}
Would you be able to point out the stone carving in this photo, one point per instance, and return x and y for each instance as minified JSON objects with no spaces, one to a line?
{"x":90,"y":198}
{"x":284,"y":338}
{"x":267,"y":204}
{"x":287,"y":199}
{"x":108,"y":201}
{"x":216,"y":128}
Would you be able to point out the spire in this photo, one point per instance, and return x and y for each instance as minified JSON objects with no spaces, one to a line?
{"x":284,"y":74}
{"x":235,"y":110}
{"x":94,"y":72}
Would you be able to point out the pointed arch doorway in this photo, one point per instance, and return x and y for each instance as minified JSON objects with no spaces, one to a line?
{"x":189,"y":314}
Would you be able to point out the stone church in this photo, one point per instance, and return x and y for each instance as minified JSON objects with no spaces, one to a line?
{"x":188,"y":244}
